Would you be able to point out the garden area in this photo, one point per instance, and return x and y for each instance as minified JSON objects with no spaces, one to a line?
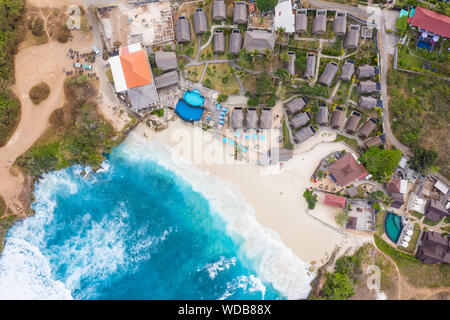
{"x":218,"y":77}
{"x":419,"y":114}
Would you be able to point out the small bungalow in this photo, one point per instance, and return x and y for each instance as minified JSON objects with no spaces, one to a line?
{"x":368,"y":102}
{"x":320,"y":22}
{"x":337,"y":118}
{"x":328,"y":74}
{"x":237,"y":118}
{"x":373,"y":142}
{"x":251,"y":119}
{"x":183,"y":29}
{"x":301,"y":21}
{"x":434,"y":248}
{"x":352,"y":37}
{"x":310,"y":69}
{"x":200,"y":21}
{"x":346,"y":169}
{"x":347,"y":70}
{"x":235,"y":44}
{"x":322,"y":116}
{"x":219,"y":10}
{"x":435,"y":210}
{"x":219,"y":41}
{"x":291,"y":63}
{"x":365,"y":71}
{"x":166,"y":60}
{"x":367,"y":128}
{"x":259,"y":40}
{"x":266,"y":119}
{"x":335,"y":201}
{"x":166,"y":79}
{"x":352,"y":122}
{"x":296,"y":105}
{"x":340,"y":24}
{"x":304,"y":134}
{"x":300,"y":120}
{"x":240,"y":13}
{"x":368,"y":87}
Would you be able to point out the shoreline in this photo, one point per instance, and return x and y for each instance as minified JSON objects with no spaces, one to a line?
{"x":274,"y":193}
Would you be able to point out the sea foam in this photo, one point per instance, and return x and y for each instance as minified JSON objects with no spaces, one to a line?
{"x":275,"y":263}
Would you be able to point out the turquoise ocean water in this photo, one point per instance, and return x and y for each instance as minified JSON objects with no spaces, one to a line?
{"x":145,"y":227}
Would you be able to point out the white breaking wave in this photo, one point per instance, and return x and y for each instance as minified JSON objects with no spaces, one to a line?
{"x":276,"y":263}
{"x":214,"y":268}
{"x":249,"y":284}
{"x":96,"y":250}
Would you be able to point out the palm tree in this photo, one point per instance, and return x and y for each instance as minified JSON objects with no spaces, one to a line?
{"x":268,"y":54}
{"x":254,"y":54}
{"x":284,"y":56}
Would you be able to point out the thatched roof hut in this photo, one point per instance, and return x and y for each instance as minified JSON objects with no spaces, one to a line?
{"x":183,"y":29}
{"x":235,"y":44}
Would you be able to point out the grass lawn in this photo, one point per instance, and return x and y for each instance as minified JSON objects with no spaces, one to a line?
{"x":215,"y":72}
{"x":408,"y":61}
{"x":351,"y":142}
{"x":286,"y":137}
{"x":250,"y":83}
{"x":304,"y":44}
{"x":418,"y":109}
{"x":207,"y":53}
{"x":416,"y":214}
{"x":416,"y":272}
{"x":341,"y":94}
{"x":194,"y":73}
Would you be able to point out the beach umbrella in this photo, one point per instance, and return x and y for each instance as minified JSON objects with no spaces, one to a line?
{"x":262,"y":137}
{"x":436,"y":38}
{"x":254,"y":136}
{"x":237,"y":134}
{"x":231,"y":142}
{"x":244,"y":149}
{"x":247,"y":137}
{"x":225,"y":139}
{"x":424,"y":35}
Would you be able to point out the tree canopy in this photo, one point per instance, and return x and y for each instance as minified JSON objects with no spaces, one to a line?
{"x":381,"y":162}
{"x":422,"y":159}
{"x":338,"y":287}
{"x":266,"y":5}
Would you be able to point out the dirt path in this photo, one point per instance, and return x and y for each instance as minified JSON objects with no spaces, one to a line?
{"x":33,"y":65}
{"x":406,"y":291}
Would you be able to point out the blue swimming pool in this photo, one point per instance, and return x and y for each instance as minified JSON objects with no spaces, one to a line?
{"x":393,"y":226}
{"x":188,"y":112}
{"x":194,"y":98}
{"x":423,"y":45}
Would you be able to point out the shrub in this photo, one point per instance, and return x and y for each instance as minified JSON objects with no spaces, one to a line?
{"x":9,"y":116}
{"x":37,"y":27}
{"x":310,"y":198}
{"x":39,"y":92}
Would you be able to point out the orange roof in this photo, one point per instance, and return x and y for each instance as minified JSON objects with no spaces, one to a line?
{"x":335,"y":201}
{"x":136,"y":69}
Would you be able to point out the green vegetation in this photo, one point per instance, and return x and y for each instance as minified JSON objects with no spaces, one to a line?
{"x":430,"y":222}
{"x":381,"y":162}
{"x":39,"y":92}
{"x":159,"y":112}
{"x":418,"y":110}
{"x":351,"y":142}
{"x":416,"y":214}
{"x":402,"y":24}
{"x":338,"y":287}
{"x":11,"y":12}
{"x":417,"y":273}
{"x":310,"y":198}
{"x":341,"y":218}
{"x":266,"y":5}
{"x":286,"y":138}
{"x":9,"y":116}
{"x":422,"y":159}
{"x":78,"y":134}
{"x":215,"y":72}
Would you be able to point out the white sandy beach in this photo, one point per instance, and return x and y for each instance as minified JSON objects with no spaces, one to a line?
{"x":274,"y":193}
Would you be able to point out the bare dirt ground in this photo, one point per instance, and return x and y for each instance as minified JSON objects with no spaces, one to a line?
{"x":35,"y":64}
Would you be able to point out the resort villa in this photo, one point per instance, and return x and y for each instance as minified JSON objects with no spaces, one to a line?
{"x":434,"y":248}
{"x":132,"y":74}
{"x":347,"y":169}
{"x":431,"y":26}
